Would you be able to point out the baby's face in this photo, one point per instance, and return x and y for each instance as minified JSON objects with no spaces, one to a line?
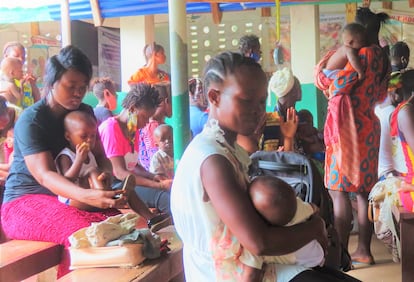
{"x":354,"y":41}
{"x":165,"y":141}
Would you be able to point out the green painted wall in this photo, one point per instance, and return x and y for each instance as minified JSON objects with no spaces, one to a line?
{"x":312,"y":100}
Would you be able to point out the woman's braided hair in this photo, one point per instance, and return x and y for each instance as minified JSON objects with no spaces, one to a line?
{"x":223,"y":65}
{"x":141,"y":96}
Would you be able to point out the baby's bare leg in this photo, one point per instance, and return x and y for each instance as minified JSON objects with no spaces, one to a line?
{"x":94,"y":180}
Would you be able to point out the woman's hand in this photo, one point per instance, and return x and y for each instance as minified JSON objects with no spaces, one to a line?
{"x":104,"y":199}
{"x":320,"y":233}
{"x":289,"y":127}
{"x":166,"y":184}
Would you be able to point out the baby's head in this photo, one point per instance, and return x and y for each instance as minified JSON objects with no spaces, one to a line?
{"x":163,"y":137}
{"x":273,"y":198}
{"x":354,"y":36}
{"x":80,"y":127}
{"x":12,"y":68}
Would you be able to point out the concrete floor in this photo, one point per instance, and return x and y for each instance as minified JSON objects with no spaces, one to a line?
{"x":385,"y":270}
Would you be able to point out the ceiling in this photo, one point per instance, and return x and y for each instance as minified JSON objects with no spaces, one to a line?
{"x":12,"y":11}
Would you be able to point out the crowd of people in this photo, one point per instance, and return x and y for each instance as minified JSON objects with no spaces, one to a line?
{"x":66,"y":165}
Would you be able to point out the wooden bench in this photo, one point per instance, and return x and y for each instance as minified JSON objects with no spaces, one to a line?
{"x":166,"y":268}
{"x":21,"y":259}
{"x":406,"y":224}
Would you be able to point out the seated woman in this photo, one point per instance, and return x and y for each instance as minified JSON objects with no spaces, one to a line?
{"x":276,"y":130}
{"x":119,"y":135}
{"x":31,"y":209}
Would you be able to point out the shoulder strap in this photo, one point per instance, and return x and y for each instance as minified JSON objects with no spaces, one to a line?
{"x":283,"y":166}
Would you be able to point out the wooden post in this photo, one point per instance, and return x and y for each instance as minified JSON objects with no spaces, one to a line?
{"x":350,"y":12}
{"x":216,"y":13}
{"x":266,"y":12}
{"x":366,"y":3}
{"x":387,"y":5}
{"x":34,"y":28}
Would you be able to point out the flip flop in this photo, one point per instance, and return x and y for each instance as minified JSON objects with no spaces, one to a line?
{"x":363,"y":261}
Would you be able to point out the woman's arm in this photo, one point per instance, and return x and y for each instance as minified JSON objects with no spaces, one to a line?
{"x":236,"y":210}
{"x":120,"y":172}
{"x":42,"y":168}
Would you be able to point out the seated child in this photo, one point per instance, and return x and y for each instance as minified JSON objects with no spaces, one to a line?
{"x":78,"y":164}
{"x":309,"y":139}
{"x":11,"y":69}
{"x":8,"y":155}
{"x":162,"y":162}
{"x":353,"y":39}
{"x":276,"y":201}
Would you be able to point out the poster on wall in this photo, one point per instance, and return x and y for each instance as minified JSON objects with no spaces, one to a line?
{"x":41,"y":50}
{"x":330,"y":28}
{"x":36,"y":62}
{"x":109,"y":55}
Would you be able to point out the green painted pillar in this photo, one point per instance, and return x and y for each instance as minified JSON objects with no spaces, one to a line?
{"x":304,"y":32}
{"x":180,"y":120}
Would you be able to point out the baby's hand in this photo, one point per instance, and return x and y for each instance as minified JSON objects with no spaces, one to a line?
{"x":82,"y":151}
{"x":361,"y":76}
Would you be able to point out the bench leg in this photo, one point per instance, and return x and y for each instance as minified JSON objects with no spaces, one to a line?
{"x":407,"y":249}
{"x":178,"y":278}
{"x":49,"y":275}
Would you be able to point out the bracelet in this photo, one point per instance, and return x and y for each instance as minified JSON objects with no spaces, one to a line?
{"x":160,"y":185}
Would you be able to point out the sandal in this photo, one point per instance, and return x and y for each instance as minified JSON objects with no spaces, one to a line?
{"x":159,"y":221}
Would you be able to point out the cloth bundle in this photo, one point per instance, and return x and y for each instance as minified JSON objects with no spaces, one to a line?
{"x":113,"y":242}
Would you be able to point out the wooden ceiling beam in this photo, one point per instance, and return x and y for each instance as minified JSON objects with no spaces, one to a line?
{"x":387,"y":5}
{"x":96,"y":12}
{"x":216,"y":13}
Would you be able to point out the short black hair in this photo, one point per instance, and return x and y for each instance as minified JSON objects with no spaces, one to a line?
{"x":248,"y":42}
{"x":69,"y":57}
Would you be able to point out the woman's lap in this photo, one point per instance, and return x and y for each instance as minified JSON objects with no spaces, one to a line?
{"x":323,"y":275}
{"x":152,"y":197}
{"x":44,"y":218}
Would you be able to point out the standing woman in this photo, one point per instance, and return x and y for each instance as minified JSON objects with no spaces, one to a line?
{"x":353,"y":167}
{"x":150,"y":73}
{"x":31,"y":209}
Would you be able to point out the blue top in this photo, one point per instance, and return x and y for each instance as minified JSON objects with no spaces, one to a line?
{"x":197,"y":120}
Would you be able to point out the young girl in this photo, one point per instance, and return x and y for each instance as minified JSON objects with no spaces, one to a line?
{"x":104,"y":90}
{"x":209,"y":199}
{"x":147,"y":146}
